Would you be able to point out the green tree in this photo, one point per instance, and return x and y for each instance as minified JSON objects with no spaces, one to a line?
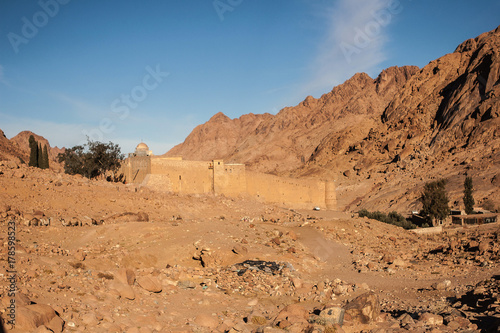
{"x":33,"y":152}
{"x":45,"y":158}
{"x":468,"y":197}
{"x":435,"y":200}
{"x":40,"y":156}
{"x":92,"y":159}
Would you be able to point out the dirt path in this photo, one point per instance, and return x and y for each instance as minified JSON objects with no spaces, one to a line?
{"x":339,"y":264}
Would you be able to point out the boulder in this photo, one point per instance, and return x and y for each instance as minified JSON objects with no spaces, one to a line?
{"x":441,"y":285}
{"x":431,"y":319}
{"x":30,"y":317}
{"x":125,"y":276}
{"x":293,"y":313}
{"x":332,"y":315}
{"x":364,"y":308}
{"x":124,"y":290}
{"x":149,"y":283}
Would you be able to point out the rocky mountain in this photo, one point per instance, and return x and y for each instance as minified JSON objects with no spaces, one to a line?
{"x":21,"y":140}
{"x":17,"y":148}
{"x":219,"y":137}
{"x":443,"y":123}
{"x":283,"y":142}
{"x":382,"y":138}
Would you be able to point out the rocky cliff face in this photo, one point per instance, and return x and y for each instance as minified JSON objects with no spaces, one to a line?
{"x":381,"y":139}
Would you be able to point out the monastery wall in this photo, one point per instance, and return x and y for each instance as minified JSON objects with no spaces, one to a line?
{"x":229,"y":179}
{"x":181,"y":176}
{"x":198,"y":177}
{"x":300,"y":193}
{"x":135,"y":169}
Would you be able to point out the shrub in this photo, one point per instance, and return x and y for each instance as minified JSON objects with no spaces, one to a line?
{"x":393,"y":218}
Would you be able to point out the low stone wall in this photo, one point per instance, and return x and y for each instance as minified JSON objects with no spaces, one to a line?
{"x":428,"y":231}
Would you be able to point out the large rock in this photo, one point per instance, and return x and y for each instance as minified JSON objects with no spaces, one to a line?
{"x":125,"y":276}
{"x":332,"y":315}
{"x":292,"y":314}
{"x":123,"y":289}
{"x":431,"y":319}
{"x":149,"y":283}
{"x":364,"y":309}
{"x":30,"y":317}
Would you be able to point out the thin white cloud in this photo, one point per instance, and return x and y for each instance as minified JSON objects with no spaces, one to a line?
{"x":354,"y":42}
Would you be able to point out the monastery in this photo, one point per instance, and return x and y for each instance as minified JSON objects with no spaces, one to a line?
{"x":175,"y":175}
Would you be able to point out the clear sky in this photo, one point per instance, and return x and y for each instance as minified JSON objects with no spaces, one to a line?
{"x":126,"y":71}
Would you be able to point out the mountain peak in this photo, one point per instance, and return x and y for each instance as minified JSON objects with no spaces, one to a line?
{"x":219,"y":117}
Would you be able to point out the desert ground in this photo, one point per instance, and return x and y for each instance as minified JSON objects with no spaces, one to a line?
{"x":94,"y":256}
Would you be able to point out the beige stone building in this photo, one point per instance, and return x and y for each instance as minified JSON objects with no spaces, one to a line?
{"x":176,"y":175}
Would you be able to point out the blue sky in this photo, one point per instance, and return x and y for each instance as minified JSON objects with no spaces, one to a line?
{"x":126,"y":71}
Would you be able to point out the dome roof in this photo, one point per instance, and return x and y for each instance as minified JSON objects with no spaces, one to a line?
{"x":142,"y":146}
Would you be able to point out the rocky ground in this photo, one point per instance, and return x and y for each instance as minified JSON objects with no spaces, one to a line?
{"x":92,"y":256}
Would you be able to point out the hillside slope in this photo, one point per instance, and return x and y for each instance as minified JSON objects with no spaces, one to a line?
{"x":8,"y":151}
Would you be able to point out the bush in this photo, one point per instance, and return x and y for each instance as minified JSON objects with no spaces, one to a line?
{"x":393,"y":218}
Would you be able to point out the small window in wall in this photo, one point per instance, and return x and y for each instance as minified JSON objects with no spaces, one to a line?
{"x":218,"y":163}
{"x":180,"y":177}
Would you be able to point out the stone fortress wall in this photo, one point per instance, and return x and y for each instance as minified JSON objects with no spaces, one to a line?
{"x":198,"y":177}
